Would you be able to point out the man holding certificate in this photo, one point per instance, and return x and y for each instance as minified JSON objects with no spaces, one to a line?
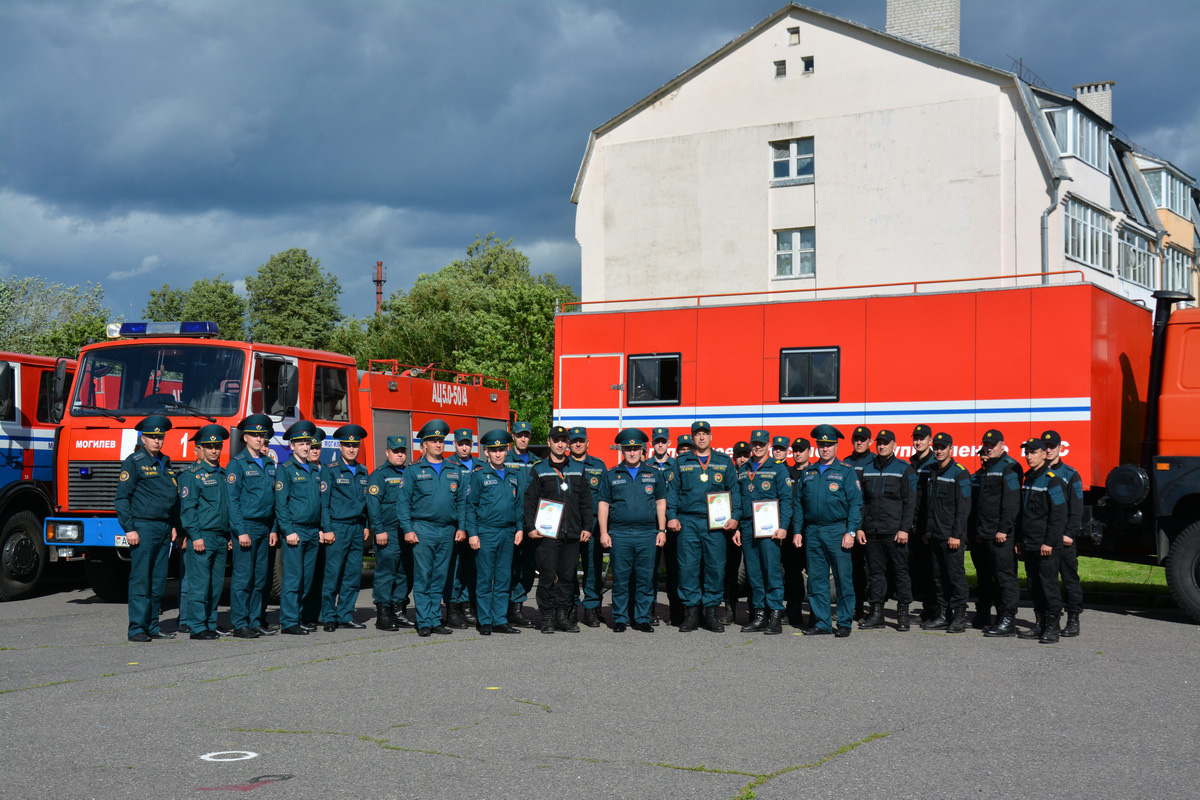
{"x":768,"y":512}
{"x":558,"y":511}
{"x":828,"y":509}
{"x":633,"y":512}
{"x":703,"y":501}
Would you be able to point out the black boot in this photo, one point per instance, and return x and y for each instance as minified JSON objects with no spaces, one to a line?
{"x":728,"y":612}
{"x":383,"y":618}
{"x":937,"y":622}
{"x":691,"y":619}
{"x":712,"y":619}
{"x":903,"y":622}
{"x":399,"y":617}
{"x":454,"y":616}
{"x":1071,"y":629}
{"x":564,"y":622}
{"x":1039,"y":626}
{"x":982,"y":619}
{"x":1005,"y":626}
{"x":516,"y":616}
{"x":757,"y":622}
{"x":1050,"y":629}
{"x":958,"y":620}
{"x":874,"y":619}
{"x":469,"y":614}
{"x":774,"y":623}
{"x":590,"y":618}
{"x":547,"y":620}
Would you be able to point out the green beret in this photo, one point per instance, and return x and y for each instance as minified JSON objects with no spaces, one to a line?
{"x":155,"y":425}
{"x":210,"y":434}
{"x":632,"y":437}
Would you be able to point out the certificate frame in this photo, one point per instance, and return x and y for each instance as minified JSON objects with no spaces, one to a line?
{"x":766,"y":518}
{"x":720,"y":509}
{"x":549,"y":518}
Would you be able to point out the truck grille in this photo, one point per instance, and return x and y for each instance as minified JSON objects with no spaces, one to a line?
{"x":96,"y":491}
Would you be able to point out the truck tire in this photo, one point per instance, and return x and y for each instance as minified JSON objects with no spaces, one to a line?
{"x":275,"y":585}
{"x":1183,"y":570}
{"x":23,"y":555}
{"x":108,"y":576}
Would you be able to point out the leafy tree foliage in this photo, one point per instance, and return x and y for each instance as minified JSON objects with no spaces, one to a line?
{"x":52,"y":319}
{"x":208,"y":299}
{"x":292,"y":301}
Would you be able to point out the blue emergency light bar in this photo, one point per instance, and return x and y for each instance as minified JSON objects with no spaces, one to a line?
{"x":134,"y":330}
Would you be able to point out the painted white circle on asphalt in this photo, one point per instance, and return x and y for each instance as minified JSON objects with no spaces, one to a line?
{"x":229,"y":755}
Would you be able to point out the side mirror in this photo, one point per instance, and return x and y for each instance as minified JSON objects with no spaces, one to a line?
{"x":58,"y":395}
{"x":8,"y":390}
{"x":289,"y":389}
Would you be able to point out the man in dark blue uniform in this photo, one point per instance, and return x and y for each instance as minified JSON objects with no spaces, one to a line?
{"x":460,"y":583}
{"x":889,"y":501}
{"x":925,"y":584}
{"x":668,"y":555}
{"x":393,"y":556}
{"x":250,"y":484}
{"x":1042,"y":526}
{"x":204,"y":515}
{"x":591,"y":554}
{"x":996,"y":489}
{"x":947,"y":508}
{"x":793,"y":558}
{"x":702,"y":478}
{"x":147,"y":505}
{"x":827,"y":512}
{"x":298,"y":521}
{"x":860,"y":456}
{"x":683,"y":444}
{"x":765,"y":480}
{"x":495,"y":512}
{"x":524,"y":564}
{"x":314,"y":596}
{"x":1068,"y":555}
{"x":632,"y":519}
{"x":344,"y":523}
{"x":431,"y":513}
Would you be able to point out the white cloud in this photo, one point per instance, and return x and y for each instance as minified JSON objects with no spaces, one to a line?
{"x":149,"y":264}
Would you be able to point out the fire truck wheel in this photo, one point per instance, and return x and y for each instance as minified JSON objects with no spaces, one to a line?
{"x":23,"y":553}
{"x":108,"y":576}
{"x":276,"y":582}
{"x":1183,"y":570}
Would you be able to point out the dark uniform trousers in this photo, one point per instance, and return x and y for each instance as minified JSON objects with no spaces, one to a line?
{"x":794,"y":561}
{"x":556,"y":561}
{"x":947,"y":509}
{"x":634,"y":584}
{"x":147,"y":501}
{"x":591,"y":554}
{"x":1068,"y":567}
{"x":343,"y":570}
{"x":250,"y":565}
{"x":493,"y":567}
{"x":299,"y":565}
{"x":886,"y":557}
{"x":1042,"y":572}
{"x":206,"y":579}
{"x":460,"y":576}
{"x":1068,"y":555}
{"x":996,"y":566}
{"x":148,"y":575}
{"x":393,"y":571}
{"x":949,"y":572}
{"x":431,"y":564}
{"x":926,"y":582}
{"x":524,"y":560}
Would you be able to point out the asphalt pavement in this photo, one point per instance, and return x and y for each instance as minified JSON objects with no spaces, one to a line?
{"x":374,"y":714}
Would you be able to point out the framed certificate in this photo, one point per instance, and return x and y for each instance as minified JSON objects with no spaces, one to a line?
{"x":766,"y":518}
{"x":549,"y":517}
{"x":720,"y":509}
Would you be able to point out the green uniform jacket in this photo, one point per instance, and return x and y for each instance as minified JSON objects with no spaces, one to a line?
{"x":251,"y":490}
{"x":426,"y":496}
{"x":383,"y":491}
{"x":343,"y":494}
{"x":495,"y":501}
{"x":203,"y":502}
{"x":512,"y":459}
{"x":147,"y":490}
{"x":297,"y":498}
{"x":632,"y":499}
{"x":772,"y":481}
{"x":688,"y":494}
{"x":593,"y":473}
{"x":830,"y":498}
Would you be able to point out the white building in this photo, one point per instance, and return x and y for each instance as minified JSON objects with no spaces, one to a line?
{"x":813,"y":152}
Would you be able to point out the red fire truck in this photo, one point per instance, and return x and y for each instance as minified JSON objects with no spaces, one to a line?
{"x":1071,"y":357}
{"x":183,"y":371}
{"x":26,"y":451}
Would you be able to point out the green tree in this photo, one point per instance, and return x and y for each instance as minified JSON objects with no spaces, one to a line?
{"x":208,"y":299}
{"x":292,"y":301}
{"x":52,"y":319}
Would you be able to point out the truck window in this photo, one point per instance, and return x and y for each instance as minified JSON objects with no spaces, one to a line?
{"x":264,"y":393}
{"x":331,"y":395}
{"x":45,"y":399}
{"x":8,"y":392}
{"x":152,"y":378}
{"x":808,"y":374}
{"x":653,"y":380}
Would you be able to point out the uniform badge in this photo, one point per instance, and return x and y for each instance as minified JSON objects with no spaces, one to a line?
{"x":324,"y":486}
{"x":718,"y":477}
{"x":833,"y":487}
{"x":124,"y":475}
{"x":766,"y":486}
{"x":278,"y":485}
{"x":649,"y":490}
{"x":184,"y":492}
{"x":231,"y":478}
{"x":453,"y":486}
{"x":595,"y":481}
{"x":374,"y":489}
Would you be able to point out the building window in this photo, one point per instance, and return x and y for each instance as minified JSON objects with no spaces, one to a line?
{"x":780,"y":69}
{"x":808,"y":64}
{"x":1169,"y":192}
{"x":1177,"y":270}
{"x":796,"y":253}
{"x":653,"y":380}
{"x":1087,"y":235}
{"x":1078,"y":135}
{"x":1135,"y":259}
{"x":793,"y":36}
{"x":331,"y":395}
{"x":792,"y":159}
{"x":808,"y":375}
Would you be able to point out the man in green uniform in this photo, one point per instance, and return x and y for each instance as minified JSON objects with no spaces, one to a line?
{"x":702,"y":478}
{"x":250,"y":482}
{"x":827,"y":512}
{"x":147,"y":505}
{"x":431,"y":514}
{"x":460,"y":585}
{"x":668,"y":555}
{"x":344,"y":528}
{"x":310,"y":607}
{"x":494,"y":515}
{"x":591,"y":554}
{"x":524,"y":563}
{"x":765,"y":480}
{"x":683,"y":444}
{"x":793,"y":557}
{"x":632,"y":513}
{"x":393,"y":556}
{"x":298,"y":521}
{"x":204,"y":514}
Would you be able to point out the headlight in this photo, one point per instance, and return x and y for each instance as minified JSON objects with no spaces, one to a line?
{"x":64,"y":532}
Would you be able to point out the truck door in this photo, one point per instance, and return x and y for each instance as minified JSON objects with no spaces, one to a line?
{"x":385,"y":423}
{"x":590,"y":390}
{"x":268,"y":390}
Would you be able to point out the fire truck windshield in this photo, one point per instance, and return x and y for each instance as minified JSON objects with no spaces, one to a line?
{"x":147,"y":378}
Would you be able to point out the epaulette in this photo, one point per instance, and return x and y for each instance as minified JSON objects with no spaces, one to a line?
{"x":1049,"y":473}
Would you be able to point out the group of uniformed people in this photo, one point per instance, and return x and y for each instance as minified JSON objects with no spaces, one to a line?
{"x":470,"y":534}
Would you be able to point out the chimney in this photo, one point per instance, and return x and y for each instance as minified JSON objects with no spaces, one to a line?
{"x":1097,"y":97}
{"x":933,"y":23}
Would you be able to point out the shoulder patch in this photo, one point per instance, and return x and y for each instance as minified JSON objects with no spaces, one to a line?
{"x":231,"y":478}
{"x":278,"y":485}
{"x":374,"y":489}
{"x":324,"y":486}
{"x":183,"y":492}
{"x":124,"y":475}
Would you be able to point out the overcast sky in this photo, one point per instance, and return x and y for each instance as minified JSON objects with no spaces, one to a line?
{"x":149,"y":142}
